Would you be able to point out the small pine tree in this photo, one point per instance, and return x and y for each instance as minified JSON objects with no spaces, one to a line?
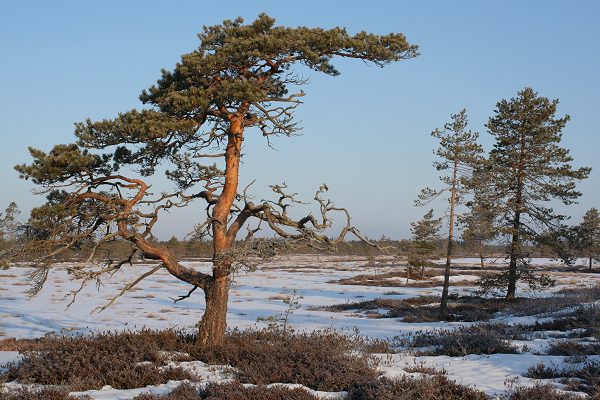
{"x":9,"y":224}
{"x":588,"y":236}
{"x":479,"y":221}
{"x":422,"y":246}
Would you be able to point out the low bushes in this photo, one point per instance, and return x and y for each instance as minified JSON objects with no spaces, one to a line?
{"x":231,"y":391}
{"x":90,"y":362}
{"x":581,"y":377}
{"x":477,"y":339}
{"x":320,"y":360}
{"x":41,"y":394}
{"x":538,"y":391}
{"x":426,"y":388}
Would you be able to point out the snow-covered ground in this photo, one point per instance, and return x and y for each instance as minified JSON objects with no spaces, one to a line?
{"x":255,"y":295}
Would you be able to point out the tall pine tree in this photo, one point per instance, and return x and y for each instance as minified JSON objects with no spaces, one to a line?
{"x":459,"y":154}
{"x":530,"y":169}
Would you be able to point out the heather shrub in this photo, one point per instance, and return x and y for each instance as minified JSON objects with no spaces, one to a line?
{"x":90,"y":362}
{"x":538,"y":391}
{"x":322,"y":360}
{"x":582,"y":377}
{"x":427,"y":388}
{"x":476,"y":339}
{"x":47,"y":393}
{"x":231,"y":391}
{"x":573,"y":348}
{"x":185,"y":391}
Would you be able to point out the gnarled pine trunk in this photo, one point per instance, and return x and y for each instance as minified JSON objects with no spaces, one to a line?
{"x":212,"y":327}
{"x":214,"y":321}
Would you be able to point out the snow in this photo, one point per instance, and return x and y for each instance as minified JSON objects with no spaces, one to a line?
{"x":488,"y":373}
{"x":459,"y":278}
{"x":261,"y":294}
{"x":8,"y":357}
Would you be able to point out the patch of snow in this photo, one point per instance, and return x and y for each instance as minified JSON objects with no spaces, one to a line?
{"x":7,"y":357}
{"x":487,"y":373}
{"x":128,"y":394}
{"x":204,"y":372}
{"x":458,"y":278}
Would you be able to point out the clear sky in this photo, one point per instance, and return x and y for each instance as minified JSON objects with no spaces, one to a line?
{"x":366,"y":132}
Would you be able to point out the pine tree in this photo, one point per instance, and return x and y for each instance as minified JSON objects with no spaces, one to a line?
{"x":459,"y":154}
{"x":423,"y":242}
{"x":479,"y":221}
{"x":529,"y":170}
{"x":241,"y":77}
{"x":588,"y":236}
{"x":9,"y":223}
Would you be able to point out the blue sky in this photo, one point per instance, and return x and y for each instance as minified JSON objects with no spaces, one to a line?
{"x":366,"y":132}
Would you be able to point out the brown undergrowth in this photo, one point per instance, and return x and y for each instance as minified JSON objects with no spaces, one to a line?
{"x":322,"y":360}
{"x":466,"y":308}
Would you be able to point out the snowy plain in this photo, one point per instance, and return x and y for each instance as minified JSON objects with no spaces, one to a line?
{"x":258,"y":295}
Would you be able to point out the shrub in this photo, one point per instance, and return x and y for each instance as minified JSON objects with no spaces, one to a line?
{"x":185,"y":391}
{"x":538,"y":391}
{"x":235,"y":391}
{"x":90,"y":362}
{"x":322,"y":360}
{"x":47,"y":393}
{"x":477,"y":339}
{"x":471,"y":308}
{"x":426,"y":388}
{"x":584,"y":320}
{"x":231,"y":391}
{"x":584,"y":377}
{"x":572,"y":348}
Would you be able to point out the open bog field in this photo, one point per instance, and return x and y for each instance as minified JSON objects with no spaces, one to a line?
{"x":487,"y":345}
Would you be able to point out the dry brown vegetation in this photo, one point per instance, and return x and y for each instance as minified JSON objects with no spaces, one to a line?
{"x":467,"y":308}
{"x":91,"y":362}
{"x":47,"y":393}
{"x":426,"y":388}
{"x":538,"y":391}
{"x":476,"y":339}
{"x":581,"y":377}
{"x":320,"y":360}
{"x":231,"y":391}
